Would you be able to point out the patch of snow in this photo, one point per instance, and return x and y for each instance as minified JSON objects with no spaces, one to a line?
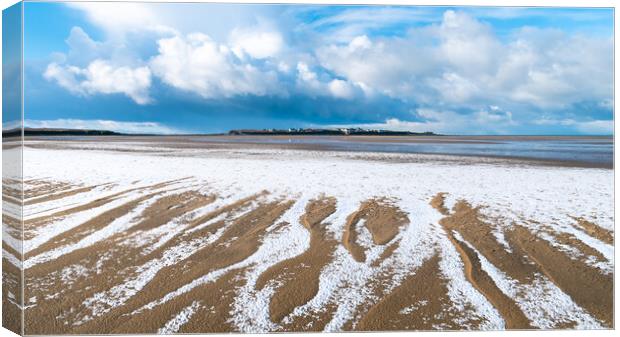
{"x":173,"y":325}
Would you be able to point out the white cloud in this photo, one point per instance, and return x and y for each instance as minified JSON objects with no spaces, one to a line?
{"x":340,"y":89}
{"x":101,"y":77}
{"x":356,"y":21}
{"x":468,"y":45}
{"x":359,"y":43}
{"x":455,"y":88}
{"x":593,"y":127}
{"x":283,"y":67}
{"x":306,"y":77}
{"x":551,"y":69}
{"x":494,"y":116}
{"x":255,"y":42}
{"x":117,"y":18}
{"x":461,"y":62}
{"x":598,"y":127}
{"x":309,"y":82}
{"x":198,"y":64}
{"x":98,"y":124}
{"x":487,"y":121}
{"x":65,"y":76}
{"x":83,"y":49}
{"x":448,"y":122}
{"x":383,"y":65}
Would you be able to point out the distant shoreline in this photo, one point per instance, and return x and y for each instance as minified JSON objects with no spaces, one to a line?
{"x":260,"y":133}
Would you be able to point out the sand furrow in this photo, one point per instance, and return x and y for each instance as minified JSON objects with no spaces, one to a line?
{"x":49,"y":228}
{"x":596,"y":231}
{"x":102,"y":264}
{"x":574,"y":247}
{"x":586,"y":285}
{"x":15,"y":193}
{"x":180,"y":319}
{"x":298,"y":278}
{"x":467,"y":223}
{"x":420,"y":302}
{"x":349,"y":237}
{"x":89,"y":227}
{"x":383,"y":220}
{"x":238,"y":241}
{"x":516,"y":265}
{"x":34,"y":188}
{"x":380,"y":217}
{"x":510,"y":311}
{"x":43,"y":217}
{"x":58,"y":195}
{"x":11,"y":296}
{"x":471,"y":225}
{"x":169,"y":207}
{"x":11,"y":199}
{"x":213,"y":315}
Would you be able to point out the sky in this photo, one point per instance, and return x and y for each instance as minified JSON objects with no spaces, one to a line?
{"x":209,"y":68}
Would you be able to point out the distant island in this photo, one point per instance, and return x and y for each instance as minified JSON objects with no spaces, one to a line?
{"x":240,"y":132}
{"x":326,"y":132}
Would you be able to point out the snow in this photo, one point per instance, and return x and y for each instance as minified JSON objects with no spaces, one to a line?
{"x":173,"y":325}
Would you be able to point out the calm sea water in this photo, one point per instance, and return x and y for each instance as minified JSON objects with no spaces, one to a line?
{"x":589,"y":151}
{"x":595,"y":151}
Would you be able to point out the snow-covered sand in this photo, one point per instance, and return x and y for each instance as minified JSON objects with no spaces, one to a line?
{"x":509,"y":193}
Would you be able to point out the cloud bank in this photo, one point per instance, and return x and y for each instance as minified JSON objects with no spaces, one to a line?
{"x":453,"y":71}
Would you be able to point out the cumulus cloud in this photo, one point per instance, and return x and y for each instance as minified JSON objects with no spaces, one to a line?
{"x":255,"y":42}
{"x":384,"y":65}
{"x":198,"y":64}
{"x":98,"y":124}
{"x":341,"y":89}
{"x":83,"y":49}
{"x":307,"y":77}
{"x":454,"y":88}
{"x":467,"y":45}
{"x":101,"y":77}
{"x":460,"y":61}
{"x":117,"y":18}
{"x":550,"y":69}
{"x":453,"y":70}
{"x":308,"y":81}
{"x":597,"y":127}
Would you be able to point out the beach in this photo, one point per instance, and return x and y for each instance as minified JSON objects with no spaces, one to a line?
{"x":193,"y":235}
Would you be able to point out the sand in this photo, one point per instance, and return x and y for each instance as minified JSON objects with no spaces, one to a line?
{"x":282,"y":240}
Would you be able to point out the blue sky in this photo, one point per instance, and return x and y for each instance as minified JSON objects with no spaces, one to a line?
{"x":204,"y":68}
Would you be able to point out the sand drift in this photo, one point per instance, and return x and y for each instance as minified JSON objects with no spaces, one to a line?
{"x":127,"y":238}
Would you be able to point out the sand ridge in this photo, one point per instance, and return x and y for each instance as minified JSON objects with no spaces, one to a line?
{"x":530,"y":256}
{"x":299,"y":277}
{"x":382,"y":219}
